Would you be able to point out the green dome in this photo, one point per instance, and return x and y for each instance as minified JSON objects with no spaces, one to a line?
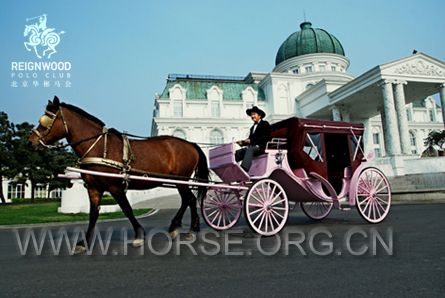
{"x":308,"y":41}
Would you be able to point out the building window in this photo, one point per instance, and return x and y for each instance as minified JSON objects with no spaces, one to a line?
{"x":216,"y":137}
{"x":333,"y":68}
{"x":413,"y":142}
{"x":16,"y":191}
{"x":177,"y":108}
{"x":308,"y":68}
{"x":376,"y":138}
{"x":215,"y":109}
{"x":409,"y":116}
{"x":56,"y":194}
{"x":179,"y":133}
{"x":377,"y":152}
{"x":431,"y":115}
{"x":40,"y":191}
{"x":295,"y":71}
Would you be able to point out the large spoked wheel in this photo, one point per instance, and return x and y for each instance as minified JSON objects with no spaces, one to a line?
{"x":373,"y":195}
{"x":316,"y":210}
{"x":221,"y":209}
{"x":266,"y":207}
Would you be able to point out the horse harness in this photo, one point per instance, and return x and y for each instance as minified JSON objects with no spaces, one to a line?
{"x":47,"y":121}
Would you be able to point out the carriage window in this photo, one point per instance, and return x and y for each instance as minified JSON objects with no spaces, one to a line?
{"x":356,"y":149}
{"x":312,"y":146}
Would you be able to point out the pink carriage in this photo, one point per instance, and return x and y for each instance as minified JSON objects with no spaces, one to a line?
{"x":318,"y":164}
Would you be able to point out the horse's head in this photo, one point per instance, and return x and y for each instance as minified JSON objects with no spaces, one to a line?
{"x":52,"y":126}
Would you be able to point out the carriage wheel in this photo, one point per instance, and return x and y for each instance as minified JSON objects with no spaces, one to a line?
{"x":373,"y":195}
{"x":316,"y":210}
{"x":221,"y":209}
{"x":266,"y":207}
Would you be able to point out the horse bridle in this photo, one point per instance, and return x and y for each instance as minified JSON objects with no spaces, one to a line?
{"x":47,"y":121}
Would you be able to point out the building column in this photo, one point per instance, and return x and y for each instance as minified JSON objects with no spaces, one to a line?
{"x":336,"y":116}
{"x":391,"y":134}
{"x":402,"y":120}
{"x":345,"y":115}
{"x":442,"y":101}
{"x":367,"y":136}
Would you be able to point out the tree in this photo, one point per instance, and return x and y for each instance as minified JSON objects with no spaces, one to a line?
{"x":435,"y":138}
{"x":55,"y":161}
{"x":7,"y":166}
{"x":39,"y":166}
{"x":27,"y":160}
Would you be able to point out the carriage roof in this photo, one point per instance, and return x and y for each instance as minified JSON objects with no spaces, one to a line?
{"x":301,"y":133}
{"x":300,"y":125}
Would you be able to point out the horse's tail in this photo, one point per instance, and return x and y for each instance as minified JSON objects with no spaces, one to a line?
{"x":202,"y":172}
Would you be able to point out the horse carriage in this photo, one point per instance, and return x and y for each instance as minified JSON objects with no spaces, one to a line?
{"x":318,"y":164}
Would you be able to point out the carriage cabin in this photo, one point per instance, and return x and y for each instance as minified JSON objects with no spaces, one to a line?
{"x":331,"y":149}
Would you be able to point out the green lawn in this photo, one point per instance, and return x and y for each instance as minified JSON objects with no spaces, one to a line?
{"x":13,"y":214}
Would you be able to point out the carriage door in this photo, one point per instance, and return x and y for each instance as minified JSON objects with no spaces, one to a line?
{"x":337,"y":158}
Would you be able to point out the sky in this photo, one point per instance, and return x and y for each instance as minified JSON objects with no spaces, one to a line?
{"x":119,"y":53}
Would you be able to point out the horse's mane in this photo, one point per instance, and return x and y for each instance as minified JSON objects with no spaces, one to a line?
{"x":90,"y":117}
{"x":83,"y":113}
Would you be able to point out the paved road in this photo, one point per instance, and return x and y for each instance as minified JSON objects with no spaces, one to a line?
{"x":335,"y":257}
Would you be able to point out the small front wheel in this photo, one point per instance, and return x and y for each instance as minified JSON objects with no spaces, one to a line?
{"x":221,"y":209}
{"x":316,"y":210}
{"x":266,"y":207}
{"x":373,"y":195}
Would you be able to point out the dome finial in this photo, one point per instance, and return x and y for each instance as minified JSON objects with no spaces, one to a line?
{"x":305,"y":25}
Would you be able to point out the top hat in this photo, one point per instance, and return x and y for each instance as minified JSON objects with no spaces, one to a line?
{"x":256,"y":110}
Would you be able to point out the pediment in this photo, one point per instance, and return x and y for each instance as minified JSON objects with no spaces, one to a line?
{"x":417,"y":65}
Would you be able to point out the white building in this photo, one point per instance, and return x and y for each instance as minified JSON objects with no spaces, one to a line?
{"x":310,"y":80}
{"x":14,"y":190}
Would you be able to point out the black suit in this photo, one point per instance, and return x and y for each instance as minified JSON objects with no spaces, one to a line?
{"x":261,"y":135}
{"x":258,"y":141}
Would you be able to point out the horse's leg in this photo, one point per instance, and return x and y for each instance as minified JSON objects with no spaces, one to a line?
{"x":35,"y":50}
{"x":53,"y":50}
{"x":177,"y":220}
{"x":194,"y":225}
{"x":121,"y":198}
{"x":95,"y":199}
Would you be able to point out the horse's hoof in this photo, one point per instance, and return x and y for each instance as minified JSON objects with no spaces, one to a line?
{"x":190,"y":236}
{"x":138,"y":242}
{"x":174,"y":234}
{"x":79,"y":249}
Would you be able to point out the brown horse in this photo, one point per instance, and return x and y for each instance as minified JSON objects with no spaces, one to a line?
{"x":106,"y":150}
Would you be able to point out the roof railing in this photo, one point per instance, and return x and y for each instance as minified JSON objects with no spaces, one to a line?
{"x":176,"y":76}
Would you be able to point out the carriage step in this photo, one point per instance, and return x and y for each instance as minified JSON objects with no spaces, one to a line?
{"x":344,"y":208}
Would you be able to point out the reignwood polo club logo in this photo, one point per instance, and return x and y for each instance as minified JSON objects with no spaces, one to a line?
{"x":40,"y":40}
{"x":41,"y":37}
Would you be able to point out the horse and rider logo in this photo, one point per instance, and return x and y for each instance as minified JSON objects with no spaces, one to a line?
{"x":41,"y":37}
